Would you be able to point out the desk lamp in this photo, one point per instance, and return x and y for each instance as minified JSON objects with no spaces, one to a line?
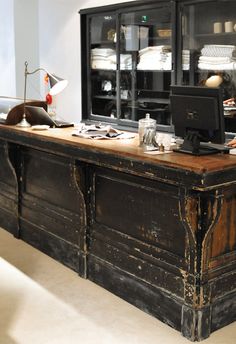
{"x":56,"y":86}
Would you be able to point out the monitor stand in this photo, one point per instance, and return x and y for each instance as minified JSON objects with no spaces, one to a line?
{"x":192,"y":145}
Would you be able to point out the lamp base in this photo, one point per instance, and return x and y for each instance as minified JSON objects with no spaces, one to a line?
{"x":23,"y":123}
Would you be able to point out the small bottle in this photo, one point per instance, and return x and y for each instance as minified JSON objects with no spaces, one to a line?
{"x":146,"y":125}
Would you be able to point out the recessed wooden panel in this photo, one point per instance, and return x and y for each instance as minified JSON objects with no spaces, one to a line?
{"x":52,"y":210}
{"x":50,"y":177}
{"x":144,"y":213}
{"x":224,"y":234}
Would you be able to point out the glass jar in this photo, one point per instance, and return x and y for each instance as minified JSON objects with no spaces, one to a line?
{"x":146,"y":130}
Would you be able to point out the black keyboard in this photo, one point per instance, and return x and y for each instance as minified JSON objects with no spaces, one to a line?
{"x":221,"y":147}
{"x":62,"y":124}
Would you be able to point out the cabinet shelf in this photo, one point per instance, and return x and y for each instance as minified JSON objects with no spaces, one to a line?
{"x":105,"y":97}
{"x":155,"y":70}
{"x":135,"y":70}
{"x":153,"y":100}
{"x":160,"y":40}
{"x":215,"y":69}
{"x":106,"y":44}
{"x":103,"y":70}
{"x":138,"y":99}
{"x":216,"y":35}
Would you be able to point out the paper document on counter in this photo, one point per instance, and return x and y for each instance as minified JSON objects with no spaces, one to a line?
{"x":98,"y":132}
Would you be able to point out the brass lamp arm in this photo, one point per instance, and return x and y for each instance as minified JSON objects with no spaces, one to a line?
{"x":36,"y":70}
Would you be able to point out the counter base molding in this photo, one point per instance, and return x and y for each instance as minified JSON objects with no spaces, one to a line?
{"x":165,"y":244}
{"x":8,"y":191}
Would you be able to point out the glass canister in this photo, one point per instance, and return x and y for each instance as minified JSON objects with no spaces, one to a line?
{"x":146,"y":130}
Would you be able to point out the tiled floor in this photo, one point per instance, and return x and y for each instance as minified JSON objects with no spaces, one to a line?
{"x":43,"y":302}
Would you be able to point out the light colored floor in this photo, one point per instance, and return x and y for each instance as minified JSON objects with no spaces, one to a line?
{"x":43,"y":302}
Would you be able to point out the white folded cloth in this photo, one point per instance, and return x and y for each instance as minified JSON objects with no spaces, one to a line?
{"x":185,"y":59}
{"x":185,"y":52}
{"x":185,"y":66}
{"x":215,"y":59}
{"x":223,"y":66}
{"x":155,"y":65}
{"x":96,"y":64}
{"x":218,"y":50}
{"x":158,"y":48}
{"x":102,"y":58}
{"x":124,"y":58}
{"x":105,"y":52}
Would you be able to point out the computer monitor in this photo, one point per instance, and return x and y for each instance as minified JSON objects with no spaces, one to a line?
{"x":198,"y":116}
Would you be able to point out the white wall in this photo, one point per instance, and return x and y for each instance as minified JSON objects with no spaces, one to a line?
{"x":7,"y":49}
{"x":47,"y":34}
{"x":26,"y":26}
{"x":59,"y":51}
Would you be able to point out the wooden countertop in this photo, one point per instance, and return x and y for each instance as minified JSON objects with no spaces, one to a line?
{"x":127,"y":148}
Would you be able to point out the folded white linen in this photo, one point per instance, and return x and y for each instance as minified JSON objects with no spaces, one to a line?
{"x":218,"y":50}
{"x":157,"y":48}
{"x":101,"y":58}
{"x":155,"y":56}
{"x":219,"y":46}
{"x":155,"y":65}
{"x":108,"y":65}
{"x":110,"y":61}
{"x":185,"y":60}
{"x":124,"y":58}
{"x":125,"y":66}
{"x":185,"y":66}
{"x":102,"y":52}
{"x":223,"y":66}
{"x":102,"y":65}
{"x":215,"y":59}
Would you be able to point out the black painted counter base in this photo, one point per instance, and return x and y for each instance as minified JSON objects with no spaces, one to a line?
{"x":158,"y":232}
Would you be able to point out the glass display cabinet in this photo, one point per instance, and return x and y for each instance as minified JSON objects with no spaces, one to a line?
{"x":129,"y":64}
{"x":132,"y":52}
{"x":207,"y":55}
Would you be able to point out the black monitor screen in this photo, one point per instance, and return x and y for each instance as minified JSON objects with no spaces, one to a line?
{"x":198,"y":116}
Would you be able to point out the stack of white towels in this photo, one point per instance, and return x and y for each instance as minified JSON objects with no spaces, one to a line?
{"x":105,"y":58}
{"x":155,"y":58}
{"x":185,"y":59}
{"x":217,"y":57}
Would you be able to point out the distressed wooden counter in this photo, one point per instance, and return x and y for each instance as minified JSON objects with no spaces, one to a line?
{"x":159,"y":231}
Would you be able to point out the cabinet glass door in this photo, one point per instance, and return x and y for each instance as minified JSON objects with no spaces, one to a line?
{"x":209,"y":50}
{"x":145,"y":64}
{"x":103,"y":65}
{"x":208,"y":45}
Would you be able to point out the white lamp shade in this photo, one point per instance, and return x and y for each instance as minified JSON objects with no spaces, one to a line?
{"x":56,"y":84}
